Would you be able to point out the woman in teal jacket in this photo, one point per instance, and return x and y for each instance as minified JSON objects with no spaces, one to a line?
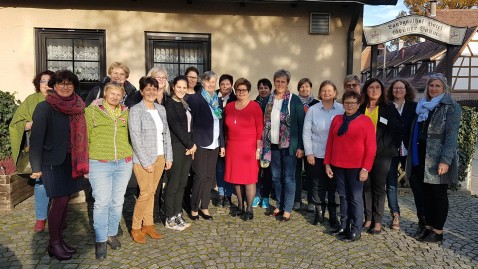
{"x":282,"y":142}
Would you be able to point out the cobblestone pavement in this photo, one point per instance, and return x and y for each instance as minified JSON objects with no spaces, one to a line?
{"x":228,"y":242}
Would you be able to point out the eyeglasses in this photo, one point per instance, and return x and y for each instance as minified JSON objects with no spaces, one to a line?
{"x":191,"y":77}
{"x":352,"y":85}
{"x":241,"y":90}
{"x":398,"y":88}
{"x":160,"y":78}
{"x":65,"y":84}
{"x":43,"y":81}
{"x":350,"y":103}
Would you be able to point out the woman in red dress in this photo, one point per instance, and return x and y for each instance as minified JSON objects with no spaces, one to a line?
{"x":244,"y":124}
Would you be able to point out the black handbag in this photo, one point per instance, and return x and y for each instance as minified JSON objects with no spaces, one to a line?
{"x":24,"y":168}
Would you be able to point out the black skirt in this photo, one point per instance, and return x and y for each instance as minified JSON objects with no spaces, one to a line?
{"x":57,"y":179}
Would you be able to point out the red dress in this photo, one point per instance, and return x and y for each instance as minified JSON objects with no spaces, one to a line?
{"x":242,"y":128}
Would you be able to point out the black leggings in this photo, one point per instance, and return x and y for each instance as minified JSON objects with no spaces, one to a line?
{"x":374,"y":190}
{"x":436,"y":205}
{"x":178,"y":179}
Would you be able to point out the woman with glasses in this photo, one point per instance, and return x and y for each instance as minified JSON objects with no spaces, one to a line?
{"x":433,"y":154}
{"x":149,"y":132}
{"x":20,"y":126}
{"x":192,"y":74}
{"x":60,"y":158}
{"x":348,"y":157}
{"x":401,"y":94}
{"x":388,"y":130}
{"x":243,"y":127}
{"x":282,"y":142}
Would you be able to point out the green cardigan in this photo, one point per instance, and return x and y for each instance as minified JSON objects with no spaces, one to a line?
{"x":107,"y":137}
{"x":22,"y":115}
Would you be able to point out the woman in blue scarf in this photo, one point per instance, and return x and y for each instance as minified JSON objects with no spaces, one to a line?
{"x":206,"y":111}
{"x":433,"y":162}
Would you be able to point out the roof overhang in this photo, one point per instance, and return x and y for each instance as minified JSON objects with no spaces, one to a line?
{"x":364,"y":2}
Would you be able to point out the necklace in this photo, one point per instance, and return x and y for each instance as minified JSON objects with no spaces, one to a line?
{"x":236,"y":114}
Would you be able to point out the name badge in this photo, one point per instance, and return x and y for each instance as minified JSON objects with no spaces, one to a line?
{"x":383,"y":120}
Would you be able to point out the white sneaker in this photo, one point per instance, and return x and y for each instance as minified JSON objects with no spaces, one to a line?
{"x":171,"y":223}
{"x":181,"y":221}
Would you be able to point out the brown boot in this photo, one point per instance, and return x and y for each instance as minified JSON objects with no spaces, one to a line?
{"x":149,"y":230}
{"x":138,"y":236}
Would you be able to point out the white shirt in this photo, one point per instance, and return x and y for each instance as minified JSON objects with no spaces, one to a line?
{"x":215,"y":140}
{"x":159,"y":130}
{"x":275,"y":120}
{"x":403,"y":150}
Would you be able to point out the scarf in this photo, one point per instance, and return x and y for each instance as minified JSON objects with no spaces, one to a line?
{"x":74,"y":107}
{"x":306,"y":100}
{"x":424,"y":107}
{"x":345,"y":125}
{"x":213,"y":102}
{"x":284,"y":129}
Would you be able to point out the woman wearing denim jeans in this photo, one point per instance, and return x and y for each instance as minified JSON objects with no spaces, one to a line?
{"x":110,"y":164}
{"x":21,"y":123}
{"x":282,"y":142}
{"x":401,"y":94}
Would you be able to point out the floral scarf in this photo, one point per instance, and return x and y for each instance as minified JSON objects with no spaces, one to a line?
{"x":284,"y":129}
{"x":213,"y":102}
{"x":74,"y":107}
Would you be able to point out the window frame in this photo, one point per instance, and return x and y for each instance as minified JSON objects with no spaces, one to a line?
{"x":154,"y":36}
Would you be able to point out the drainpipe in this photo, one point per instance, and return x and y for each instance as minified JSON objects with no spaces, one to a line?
{"x":351,"y":37}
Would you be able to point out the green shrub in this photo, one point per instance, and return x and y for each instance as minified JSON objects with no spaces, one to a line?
{"x":467,"y":136}
{"x":8,"y":106}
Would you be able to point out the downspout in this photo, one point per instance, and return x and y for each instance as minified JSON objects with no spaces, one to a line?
{"x":358,"y":11}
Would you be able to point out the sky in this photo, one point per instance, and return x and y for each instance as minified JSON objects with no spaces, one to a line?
{"x":374,"y":15}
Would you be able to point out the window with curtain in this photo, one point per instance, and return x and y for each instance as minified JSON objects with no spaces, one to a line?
{"x":175,"y":52}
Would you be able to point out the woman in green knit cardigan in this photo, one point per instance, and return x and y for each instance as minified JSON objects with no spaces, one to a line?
{"x":110,"y":162}
{"x":22,"y":123}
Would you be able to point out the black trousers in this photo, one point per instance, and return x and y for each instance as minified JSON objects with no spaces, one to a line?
{"x":436,"y":204}
{"x":374,"y":190}
{"x":302,"y":165}
{"x":204,"y":166}
{"x":322,"y":188}
{"x":177,"y":181}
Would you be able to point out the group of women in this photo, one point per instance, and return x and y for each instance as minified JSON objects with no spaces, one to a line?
{"x":353,"y":148}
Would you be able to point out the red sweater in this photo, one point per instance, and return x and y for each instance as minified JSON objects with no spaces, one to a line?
{"x":356,"y":148}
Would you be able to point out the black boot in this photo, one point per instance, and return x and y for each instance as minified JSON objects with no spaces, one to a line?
{"x":333,"y":220}
{"x":56,"y":249}
{"x":421,"y":228}
{"x":100,"y":250}
{"x":319,"y":215}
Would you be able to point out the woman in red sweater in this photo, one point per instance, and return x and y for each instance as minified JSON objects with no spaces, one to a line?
{"x":349,"y":156}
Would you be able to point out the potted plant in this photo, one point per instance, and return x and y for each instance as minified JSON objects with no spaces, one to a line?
{"x":13,"y":189}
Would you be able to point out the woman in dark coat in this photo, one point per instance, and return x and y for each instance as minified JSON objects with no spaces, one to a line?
{"x":402,"y":95}
{"x":433,"y":157}
{"x":388,"y":125}
{"x":60,"y":158}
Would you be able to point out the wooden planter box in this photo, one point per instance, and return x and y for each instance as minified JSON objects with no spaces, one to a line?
{"x":13,"y":190}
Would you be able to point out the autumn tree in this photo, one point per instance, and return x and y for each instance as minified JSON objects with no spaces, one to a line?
{"x":420,"y":7}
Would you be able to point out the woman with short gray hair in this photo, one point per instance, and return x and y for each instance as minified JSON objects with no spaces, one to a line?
{"x":206,"y":110}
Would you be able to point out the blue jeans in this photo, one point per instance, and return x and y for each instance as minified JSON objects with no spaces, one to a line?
{"x":392,"y":182}
{"x":109,"y":181}
{"x":283,"y":176}
{"x":41,"y":201}
{"x":223,"y":188}
{"x":350,"y":189}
